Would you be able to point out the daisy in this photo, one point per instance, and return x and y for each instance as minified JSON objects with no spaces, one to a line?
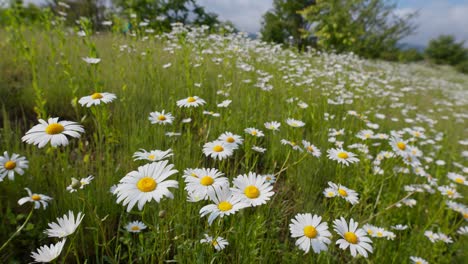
{"x":342,"y":156}
{"x":217,"y":150}
{"x":48,"y":253}
{"x":218,"y":243}
{"x":231,"y":139}
{"x":339,"y":190}
{"x":312,"y":149}
{"x":418,"y":260}
{"x":253,"y":188}
{"x":449,"y":192}
{"x":37,"y":199}
{"x":254,"y":132}
{"x":269,"y":178}
{"x":273,"y":125}
{"x":53,"y":131}
{"x":135,"y":227}
{"x":365,"y":134}
{"x":463,"y":230}
{"x":10,"y":165}
{"x":211,"y":113}
{"x":294,"y":122}
{"x":352,"y":237}
{"x":152,"y":155}
{"x":258,"y":149}
{"x":91,"y":60}
{"x":433,"y":237}
{"x":311,"y":232}
{"x":146,"y":184}
{"x":186,"y":120}
{"x":73,"y":187}
{"x":399,"y":145}
{"x":96,"y":99}
{"x":224,"y":103}
{"x":192,"y":101}
{"x":161,"y":118}
{"x":292,"y":144}
{"x":452,"y":176}
{"x":204,"y":181}
{"x":400,"y":227}
{"x":225,"y":203}
{"x":65,"y":226}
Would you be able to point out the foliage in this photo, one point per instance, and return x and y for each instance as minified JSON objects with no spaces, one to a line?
{"x":462,"y":67}
{"x":365,"y":27}
{"x":445,"y":50}
{"x":410,"y":55}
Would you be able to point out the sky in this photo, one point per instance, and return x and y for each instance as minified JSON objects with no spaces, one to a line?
{"x":435,"y":17}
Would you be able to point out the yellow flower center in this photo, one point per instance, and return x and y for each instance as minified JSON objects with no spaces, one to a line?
{"x":54,"y":129}
{"x":191,"y":99}
{"x":268,"y":178}
{"x":401,"y":145}
{"x":252,"y":192}
{"x":310,"y":148}
{"x":351,"y":237}
{"x":151,"y":156}
{"x":418,"y":262}
{"x":146,"y":184}
{"x":230,"y":140}
{"x":135,"y":228}
{"x":95,"y":96}
{"x":214,"y":243}
{"x":35,"y":197}
{"x":379,"y":234}
{"x":367,"y":135}
{"x":218,"y":148}
{"x":450,"y":192}
{"x":9,"y":165}
{"x":310,"y":231}
{"x":224,"y":206}
{"x":343,"y":155}
{"x":457,"y":180}
{"x":161,"y":118}
{"x":342,"y":192}
{"x":370,"y":232}
{"x":465,"y":215}
{"x":254,"y":133}
{"x":331,"y":194}
{"x":206,"y":181}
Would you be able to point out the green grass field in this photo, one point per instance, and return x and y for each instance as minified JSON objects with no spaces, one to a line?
{"x":43,"y":74}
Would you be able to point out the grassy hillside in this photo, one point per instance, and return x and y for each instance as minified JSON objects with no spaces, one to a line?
{"x":43,"y":73}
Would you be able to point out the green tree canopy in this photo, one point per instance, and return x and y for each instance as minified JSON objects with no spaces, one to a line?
{"x":445,"y":50}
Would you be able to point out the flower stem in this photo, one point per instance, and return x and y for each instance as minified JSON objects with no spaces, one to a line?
{"x":18,"y":230}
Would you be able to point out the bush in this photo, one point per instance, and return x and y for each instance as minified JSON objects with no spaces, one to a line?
{"x":445,"y":50}
{"x":462,"y":67}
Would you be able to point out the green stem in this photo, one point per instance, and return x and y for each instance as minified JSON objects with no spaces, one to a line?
{"x":18,"y":230}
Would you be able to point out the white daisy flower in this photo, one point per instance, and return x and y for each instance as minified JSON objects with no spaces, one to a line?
{"x":146,"y":184}
{"x":311,"y":232}
{"x":224,"y":103}
{"x":96,"y":99}
{"x":449,"y":192}
{"x":452,"y":176}
{"x":192,"y":101}
{"x":352,"y":237}
{"x":79,"y":184}
{"x":48,"y":253}
{"x":273,"y":125}
{"x":161,"y":118}
{"x":37,"y":199}
{"x":294,"y":122}
{"x":211,"y":113}
{"x":433,"y":237}
{"x":217,"y":150}
{"x":365,"y":134}
{"x":135,"y":227}
{"x":11,"y":165}
{"x":342,"y":156}
{"x":292,"y":144}
{"x":186,"y":120}
{"x":254,"y":132}
{"x":91,"y":60}
{"x":225,"y":203}
{"x":400,"y":227}
{"x":231,"y":139}
{"x":463,"y":230}
{"x":399,"y":145}
{"x":418,"y":260}
{"x":53,"y":131}
{"x":258,"y":149}
{"x":65,"y":225}
{"x":253,"y":188}
{"x":218,"y":243}
{"x":339,"y":190}
{"x":152,"y":155}
{"x":312,"y":149}
{"x":202,"y":181}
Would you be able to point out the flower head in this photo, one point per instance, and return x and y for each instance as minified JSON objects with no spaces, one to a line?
{"x":311,"y":232}
{"x":37,"y":199}
{"x":96,"y":99}
{"x":52,"y":131}
{"x":11,"y":165}
{"x":65,"y":225}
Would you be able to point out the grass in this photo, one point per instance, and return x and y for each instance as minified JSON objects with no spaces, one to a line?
{"x":49,"y":76}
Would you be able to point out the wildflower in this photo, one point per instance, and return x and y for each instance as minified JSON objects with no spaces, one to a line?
{"x":365,"y":134}
{"x":258,"y":149}
{"x":225,"y":203}
{"x":211,"y":113}
{"x":217,"y":150}
{"x":161,"y":118}
{"x":339,"y":190}
{"x":352,"y":237}
{"x":224,"y":103}
{"x":96,"y":99}
{"x":10,"y":165}
{"x":294,"y":122}
{"x":449,"y":192}
{"x":311,"y":232}
{"x":418,"y":260}
{"x":452,"y":176}
{"x":91,"y":60}
{"x":65,"y":226}
{"x":48,"y":253}
{"x":37,"y":199}
{"x":135,"y":227}
{"x":273,"y":125}
{"x":269,"y":178}
{"x":292,"y":144}
{"x":203,"y":181}
{"x":79,"y":183}
{"x":53,"y":131}
{"x":433,"y":237}
{"x":463,"y":230}
{"x":231,"y":139}
{"x":399,"y":146}
{"x":254,"y":132}
{"x":400,"y":227}
{"x":146,"y":184}
{"x":218,"y":243}
{"x":152,"y":155}
{"x":342,"y":156}
{"x":192,"y":101}
{"x":253,"y":188}
{"x":312,"y":149}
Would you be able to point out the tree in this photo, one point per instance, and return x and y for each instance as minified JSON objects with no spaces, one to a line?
{"x":445,"y":50}
{"x":368,"y":28}
{"x":283,"y":24}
